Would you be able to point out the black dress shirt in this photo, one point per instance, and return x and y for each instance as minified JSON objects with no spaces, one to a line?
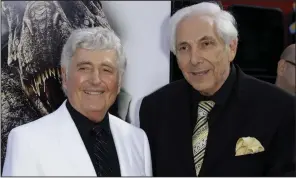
{"x":220,"y":98}
{"x":85,"y":128}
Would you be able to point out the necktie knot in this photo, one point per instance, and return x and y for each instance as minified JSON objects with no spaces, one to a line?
{"x":97,"y":130}
{"x":205,"y":107}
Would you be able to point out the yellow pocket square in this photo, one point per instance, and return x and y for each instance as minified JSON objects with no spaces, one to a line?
{"x":248,"y":145}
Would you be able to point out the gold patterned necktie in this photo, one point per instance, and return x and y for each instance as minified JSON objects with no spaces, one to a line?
{"x":200,"y":133}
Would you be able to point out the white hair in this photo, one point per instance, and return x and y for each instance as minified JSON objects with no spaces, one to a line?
{"x":224,"y":22}
{"x":93,"y":38}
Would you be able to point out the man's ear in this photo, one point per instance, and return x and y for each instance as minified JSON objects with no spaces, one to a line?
{"x":281,"y":67}
{"x":119,"y":87}
{"x":232,"y":49}
{"x":64,"y":77}
{"x":120,"y":81}
{"x":118,"y":91}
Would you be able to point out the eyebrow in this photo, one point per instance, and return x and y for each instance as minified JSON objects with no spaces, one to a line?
{"x":201,"y":39}
{"x":108,"y":64}
{"x":83,"y":63}
{"x":183,"y":43}
{"x":89,"y":63}
{"x":206,"y":38}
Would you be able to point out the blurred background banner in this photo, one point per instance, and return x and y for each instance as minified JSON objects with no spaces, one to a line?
{"x":33,"y":34}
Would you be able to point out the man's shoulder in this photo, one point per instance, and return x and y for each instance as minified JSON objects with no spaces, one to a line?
{"x":38,"y":126}
{"x":169,"y":90}
{"x":123,"y":127}
{"x":265,"y":91}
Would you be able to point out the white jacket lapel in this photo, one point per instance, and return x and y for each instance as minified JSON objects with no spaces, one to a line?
{"x":123,"y":151}
{"x":72,"y":145}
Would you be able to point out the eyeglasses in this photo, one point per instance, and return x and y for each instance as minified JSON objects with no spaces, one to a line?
{"x":291,"y":63}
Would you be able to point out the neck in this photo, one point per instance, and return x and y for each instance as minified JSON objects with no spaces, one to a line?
{"x":95,"y":117}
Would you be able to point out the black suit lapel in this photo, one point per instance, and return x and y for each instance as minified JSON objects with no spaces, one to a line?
{"x":181,"y":133}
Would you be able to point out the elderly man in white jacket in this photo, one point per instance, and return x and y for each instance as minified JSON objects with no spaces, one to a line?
{"x":81,"y":138}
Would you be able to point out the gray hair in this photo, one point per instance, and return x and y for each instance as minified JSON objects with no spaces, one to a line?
{"x":224,"y":22}
{"x":93,"y":38}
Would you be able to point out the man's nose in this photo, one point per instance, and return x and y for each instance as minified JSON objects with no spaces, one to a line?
{"x":195,"y":57}
{"x":95,"y":78}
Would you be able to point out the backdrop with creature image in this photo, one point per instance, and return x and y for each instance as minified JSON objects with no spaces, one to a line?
{"x":33,"y":34}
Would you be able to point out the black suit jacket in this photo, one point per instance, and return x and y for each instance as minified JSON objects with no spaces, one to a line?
{"x":255,"y":108}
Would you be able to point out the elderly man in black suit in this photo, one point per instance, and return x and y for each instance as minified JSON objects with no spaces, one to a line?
{"x":218,"y":121}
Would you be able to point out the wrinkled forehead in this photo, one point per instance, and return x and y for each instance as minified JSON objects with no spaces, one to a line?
{"x":95,"y":56}
{"x":195,"y":27}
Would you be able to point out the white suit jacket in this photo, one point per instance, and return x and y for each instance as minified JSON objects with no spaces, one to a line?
{"x":52,"y":146}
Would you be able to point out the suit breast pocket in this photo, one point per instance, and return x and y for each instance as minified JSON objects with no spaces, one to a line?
{"x":250,"y":157}
{"x":249,"y":161}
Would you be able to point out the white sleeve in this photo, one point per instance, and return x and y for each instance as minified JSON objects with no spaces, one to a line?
{"x":147,"y":154}
{"x":19,"y":160}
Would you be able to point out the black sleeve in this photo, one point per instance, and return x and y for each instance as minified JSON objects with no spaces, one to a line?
{"x":281,"y":156}
{"x":147,"y":124}
{"x":144,"y":115}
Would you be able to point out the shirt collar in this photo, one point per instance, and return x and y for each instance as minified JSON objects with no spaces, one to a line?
{"x":83,"y":124}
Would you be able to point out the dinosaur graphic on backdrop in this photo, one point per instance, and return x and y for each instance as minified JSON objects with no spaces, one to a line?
{"x":33,"y":34}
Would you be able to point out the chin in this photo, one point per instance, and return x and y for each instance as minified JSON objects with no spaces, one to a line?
{"x":94,"y":108}
{"x":97,"y":109}
{"x":203,"y":87}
